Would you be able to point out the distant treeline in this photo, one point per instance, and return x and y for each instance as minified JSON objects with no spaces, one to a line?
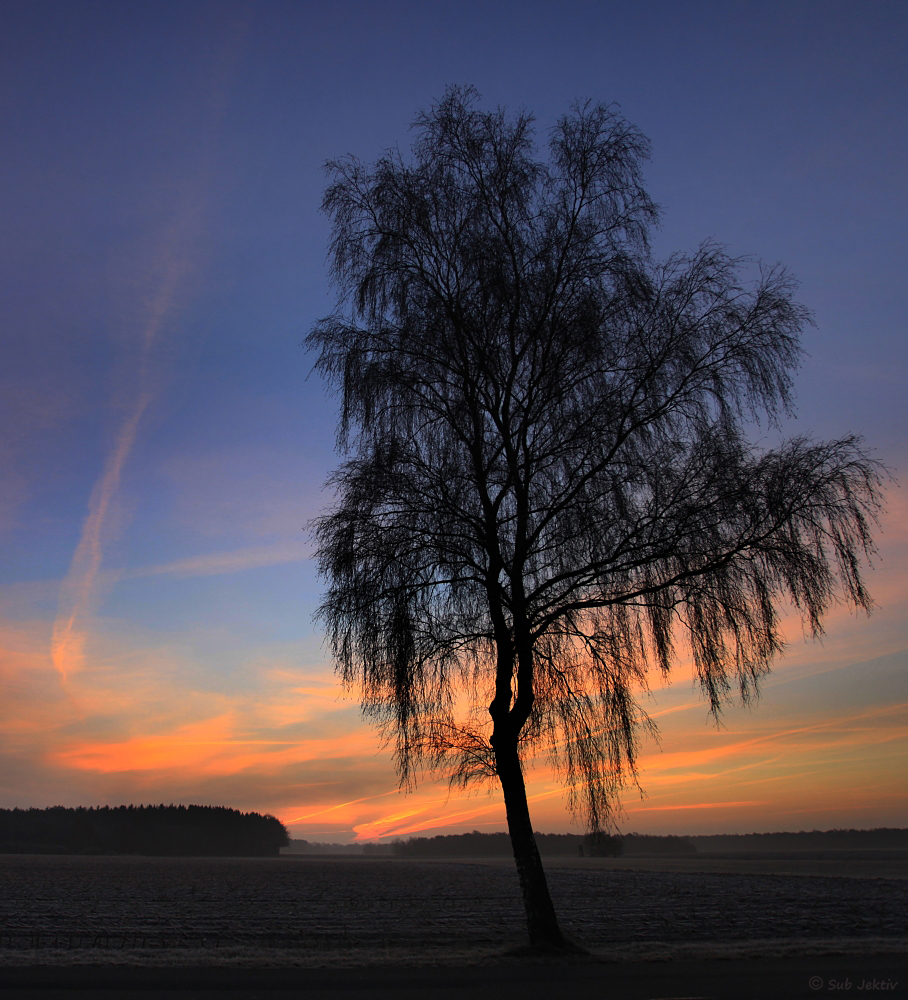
{"x":316,"y":847}
{"x":478,"y":844}
{"x":550,"y":845}
{"x":153,"y":830}
{"x":882,"y":839}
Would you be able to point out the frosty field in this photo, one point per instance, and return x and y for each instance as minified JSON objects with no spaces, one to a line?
{"x":324,"y":911}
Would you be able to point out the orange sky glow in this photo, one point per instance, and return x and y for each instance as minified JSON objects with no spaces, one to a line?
{"x":826,"y":745}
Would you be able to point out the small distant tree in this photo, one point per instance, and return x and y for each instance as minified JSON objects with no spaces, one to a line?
{"x":547,"y":482}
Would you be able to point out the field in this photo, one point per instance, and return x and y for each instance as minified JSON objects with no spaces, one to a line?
{"x":333,"y":911}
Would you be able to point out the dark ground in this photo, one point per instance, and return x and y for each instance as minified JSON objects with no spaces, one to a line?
{"x":742,"y":979}
{"x":316,"y":928}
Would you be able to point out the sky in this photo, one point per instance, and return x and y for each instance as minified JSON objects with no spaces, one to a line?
{"x":164,"y":443}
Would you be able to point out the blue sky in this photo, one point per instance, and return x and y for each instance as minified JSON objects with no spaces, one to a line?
{"x":164,"y":445}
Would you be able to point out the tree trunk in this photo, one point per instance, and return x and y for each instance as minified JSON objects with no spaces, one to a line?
{"x":542,"y":923}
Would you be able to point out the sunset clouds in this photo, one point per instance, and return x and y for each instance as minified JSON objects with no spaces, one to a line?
{"x":164,"y":445}
{"x":826,"y":741}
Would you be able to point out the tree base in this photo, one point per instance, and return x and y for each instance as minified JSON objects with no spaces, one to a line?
{"x":548,"y":949}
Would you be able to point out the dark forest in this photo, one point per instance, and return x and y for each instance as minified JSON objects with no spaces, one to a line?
{"x":213,"y":831}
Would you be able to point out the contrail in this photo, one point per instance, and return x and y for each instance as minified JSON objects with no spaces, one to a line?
{"x":68,"y":639}
{"x":173,"y":263}
{"x":340,"y":805}
{"x":67,"y":643}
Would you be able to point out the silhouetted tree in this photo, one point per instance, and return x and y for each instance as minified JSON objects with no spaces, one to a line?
{"x":547,"y":479}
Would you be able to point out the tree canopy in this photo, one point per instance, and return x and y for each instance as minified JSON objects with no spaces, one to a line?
{"x":548,"y":487}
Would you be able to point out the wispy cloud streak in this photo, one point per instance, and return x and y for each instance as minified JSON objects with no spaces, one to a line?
{"x":68,"y":640}
{"x":78,"y":589}
{"x":168,"y":269}
{"x":216,"y":563}
{"x":77,"y":592}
